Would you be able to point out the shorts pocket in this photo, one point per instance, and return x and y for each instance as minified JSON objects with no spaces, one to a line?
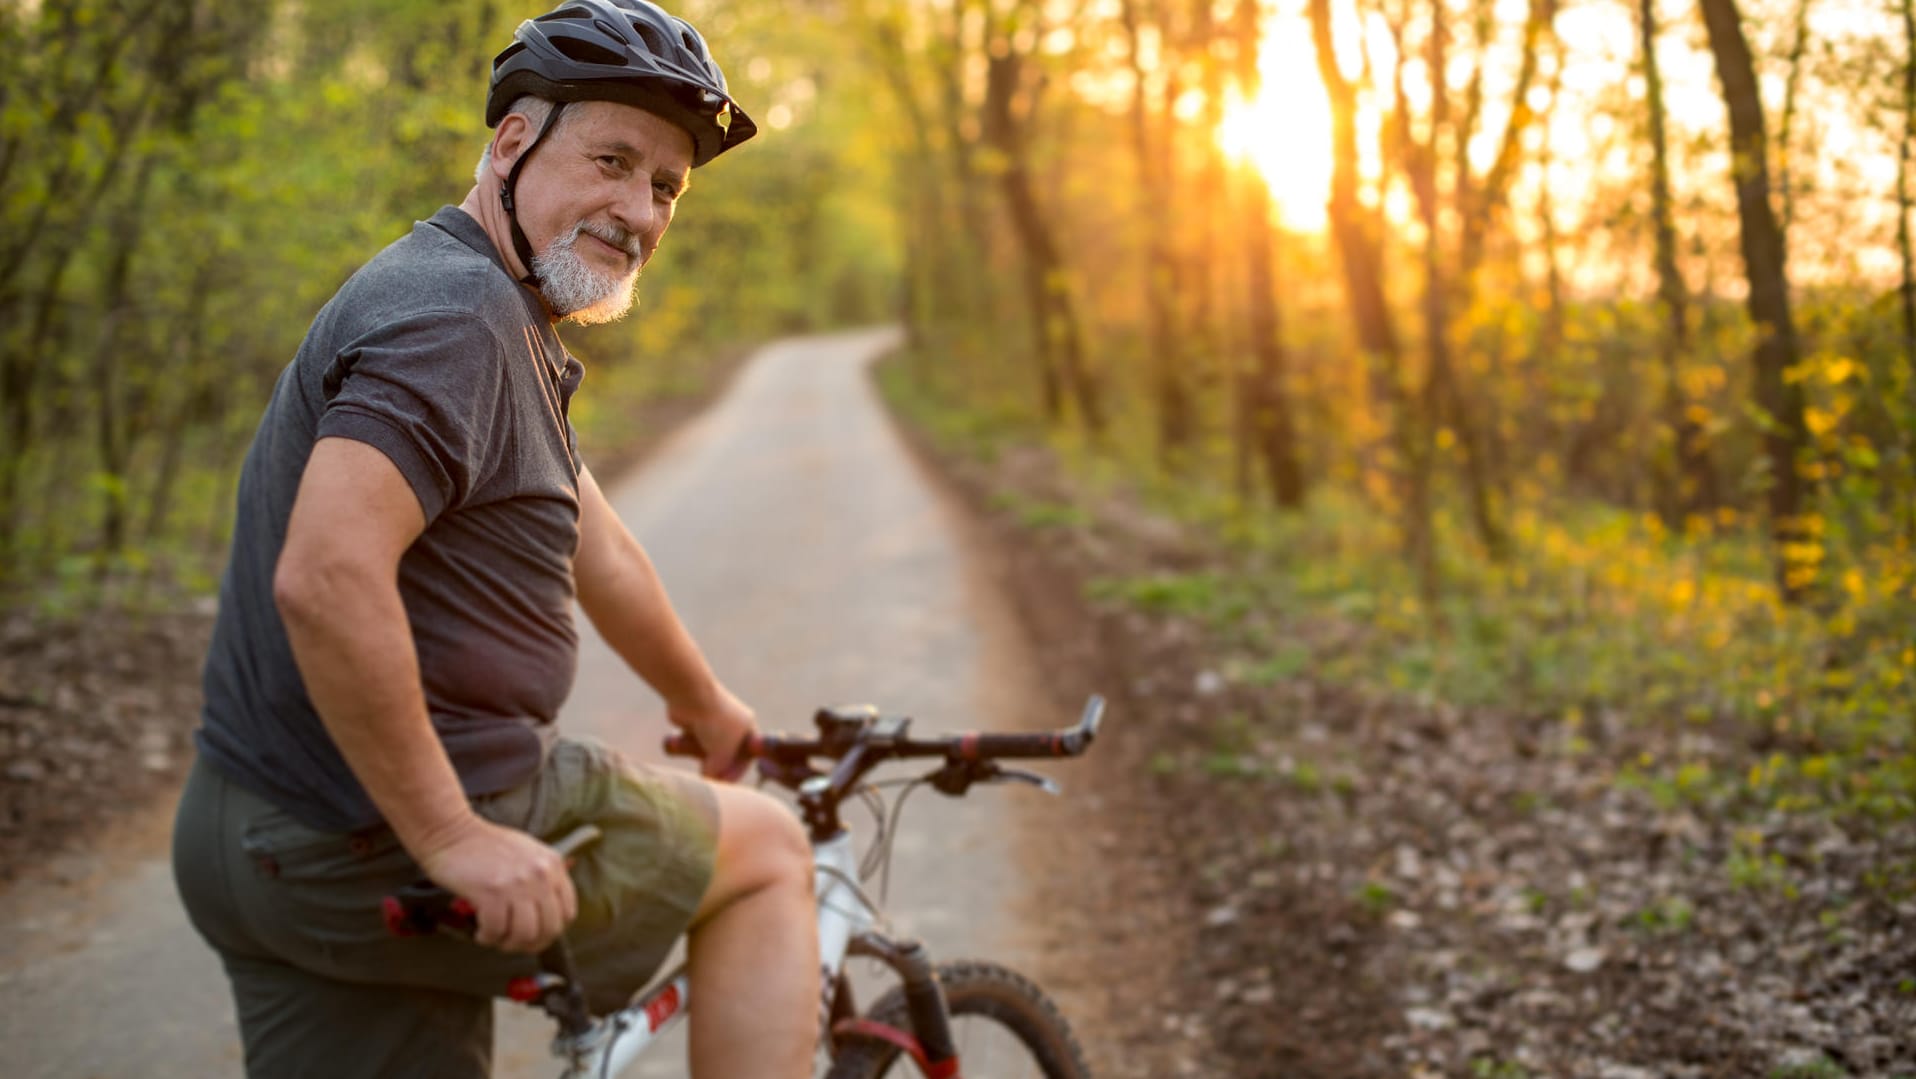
{"x":282,"y":848}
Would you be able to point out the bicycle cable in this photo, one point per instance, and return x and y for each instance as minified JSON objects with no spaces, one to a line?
{"x":889,"y":836}
{"x":879,"y":917}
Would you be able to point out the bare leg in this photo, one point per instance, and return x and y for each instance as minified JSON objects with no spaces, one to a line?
{"x":754,"y":947}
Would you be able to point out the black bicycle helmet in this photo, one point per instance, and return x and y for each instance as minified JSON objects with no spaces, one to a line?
{"x":629,"y":51}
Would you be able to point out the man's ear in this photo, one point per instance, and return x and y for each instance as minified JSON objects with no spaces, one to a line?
{"x":509,"y":140}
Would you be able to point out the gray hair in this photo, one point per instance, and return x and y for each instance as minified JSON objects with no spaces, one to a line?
{"x":535,"y":110}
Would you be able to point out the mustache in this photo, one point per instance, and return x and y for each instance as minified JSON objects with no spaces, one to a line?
{"x":612,"y":234}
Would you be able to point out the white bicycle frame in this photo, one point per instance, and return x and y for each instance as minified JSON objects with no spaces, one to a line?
{"x":613,"y":1043}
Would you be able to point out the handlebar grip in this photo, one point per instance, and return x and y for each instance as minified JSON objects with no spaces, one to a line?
{"x":422,"y":906}
{"x":683,"y":744}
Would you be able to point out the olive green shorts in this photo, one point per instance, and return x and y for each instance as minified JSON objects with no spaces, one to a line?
{"x":321,"y":988}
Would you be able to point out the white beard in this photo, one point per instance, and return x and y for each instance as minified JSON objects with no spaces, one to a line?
{"x":578,"y":292}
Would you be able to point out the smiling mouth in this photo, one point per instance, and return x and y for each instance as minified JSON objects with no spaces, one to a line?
{"x":614,"y":249}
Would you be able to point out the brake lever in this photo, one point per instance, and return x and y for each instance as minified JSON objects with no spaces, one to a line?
{"x":1015,"y":775}
{"x":956,"y":777}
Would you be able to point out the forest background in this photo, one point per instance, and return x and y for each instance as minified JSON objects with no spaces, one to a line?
{"x":1556,"y":356}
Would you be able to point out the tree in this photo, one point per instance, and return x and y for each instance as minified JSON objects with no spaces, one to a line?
{"x":1007,"y":111}
{"x":1358,"y":233}
{"x":1687,"y":482}
{"x":1156,"y":188}
{"x":1778,"y":398}
{"x":1267,"y":402}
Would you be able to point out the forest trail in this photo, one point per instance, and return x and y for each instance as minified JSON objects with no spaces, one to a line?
{"x":815,"y":563}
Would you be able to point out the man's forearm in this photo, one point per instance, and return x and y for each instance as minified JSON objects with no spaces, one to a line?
{"x":355,"y":652}
{"x":622,"y":594}
{"x":627,"y":604}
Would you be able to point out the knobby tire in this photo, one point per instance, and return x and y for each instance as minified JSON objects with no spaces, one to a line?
{"x":974,"y":992}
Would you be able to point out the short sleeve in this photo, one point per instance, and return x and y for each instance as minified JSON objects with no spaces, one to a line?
{"x":427,"y":390}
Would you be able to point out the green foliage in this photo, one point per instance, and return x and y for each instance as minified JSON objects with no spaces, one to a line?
{"x":1819,"y":1067}
{"x":1752,"y":868}
{"x":1197,"y":595}
{"x":1375,"y":898}
{"x":172,"y":217}
{"x":1305,"y":777}
{"x":1290,"y":660}
{"x":1670,"y":915}
{"x":1037,"y":513}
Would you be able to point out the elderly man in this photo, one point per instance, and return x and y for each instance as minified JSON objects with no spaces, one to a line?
{"x":395,"y":632}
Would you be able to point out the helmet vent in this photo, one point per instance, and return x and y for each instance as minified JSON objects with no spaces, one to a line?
{"x":654,"y":43}
{"x":587,"y":52}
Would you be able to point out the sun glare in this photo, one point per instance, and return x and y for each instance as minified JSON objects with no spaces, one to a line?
{"x":1285,"y":131}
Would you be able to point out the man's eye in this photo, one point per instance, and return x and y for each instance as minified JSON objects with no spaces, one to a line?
{"x":615,"y":164}
{"x":668,"y":192}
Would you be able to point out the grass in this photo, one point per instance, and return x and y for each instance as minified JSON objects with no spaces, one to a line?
{"x":1598,"y":612}
{"x":1820,"y":1067}
{"x":1669,"y":916}
{"x":1375,"y":898}
{"x":1040,"y":514}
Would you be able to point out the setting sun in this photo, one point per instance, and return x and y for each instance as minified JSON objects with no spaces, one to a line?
{"x":1285,"y":131}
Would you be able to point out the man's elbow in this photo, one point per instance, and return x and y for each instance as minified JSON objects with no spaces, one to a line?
{"x":307,"y":589}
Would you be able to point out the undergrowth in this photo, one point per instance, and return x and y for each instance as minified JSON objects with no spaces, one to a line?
{"x":1598,"y":613}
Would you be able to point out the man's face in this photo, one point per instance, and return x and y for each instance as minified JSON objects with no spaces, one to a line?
{"x":596,"y":199}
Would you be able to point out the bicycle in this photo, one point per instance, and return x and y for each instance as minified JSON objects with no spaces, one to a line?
{"x":938,"y":1017}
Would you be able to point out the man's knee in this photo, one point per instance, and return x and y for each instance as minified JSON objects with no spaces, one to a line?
{"x":761,"y":845}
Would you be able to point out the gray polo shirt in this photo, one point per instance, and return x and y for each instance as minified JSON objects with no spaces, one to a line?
{"x":435,"y":356}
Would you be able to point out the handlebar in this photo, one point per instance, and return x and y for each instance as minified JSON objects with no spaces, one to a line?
{"x":842,"y":730}
{"x":857,"y":739}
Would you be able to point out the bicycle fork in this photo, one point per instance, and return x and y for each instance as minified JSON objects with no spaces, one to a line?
{"x":929,"y":1040}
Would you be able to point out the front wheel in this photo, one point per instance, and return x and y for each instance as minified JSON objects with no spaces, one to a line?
{"x":1003,"y":1025}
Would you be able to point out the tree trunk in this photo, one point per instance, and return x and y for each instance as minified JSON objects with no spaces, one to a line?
{"x":189,"y":398}
{"x":932,"y":292}
{"x":1358,"y":235}
{"x":1686,"y":483}
{"x":1048,"y":292}
{"x":1209,"y":197}
{"x":1907,"y":146}
{"x":1786,"y":127}
{"x":1266,"y":403}
{"x":1780,"y":400}
{"x":1442,"y":400}
{"x":1171,"y":396}
{"x":113,"y":438}
{"x":1906,"y":289}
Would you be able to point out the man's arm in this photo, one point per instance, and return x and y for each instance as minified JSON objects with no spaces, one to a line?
{"x":625,"y":599}
{"x":337,"y":589}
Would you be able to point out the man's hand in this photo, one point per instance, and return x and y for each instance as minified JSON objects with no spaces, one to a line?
{"x":721,"y":723}
{"x":517,"y":885}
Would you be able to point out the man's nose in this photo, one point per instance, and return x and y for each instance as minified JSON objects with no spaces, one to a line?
{"x":637,"y":212}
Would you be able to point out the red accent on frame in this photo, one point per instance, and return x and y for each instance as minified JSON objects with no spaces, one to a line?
{"x":968,"y":747}
{"x":523,"y":990}
{"x":662,"y":1007}
{"x":867,"y":1028}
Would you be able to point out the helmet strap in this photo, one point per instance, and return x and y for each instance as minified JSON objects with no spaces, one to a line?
{"x":520,"y":245}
